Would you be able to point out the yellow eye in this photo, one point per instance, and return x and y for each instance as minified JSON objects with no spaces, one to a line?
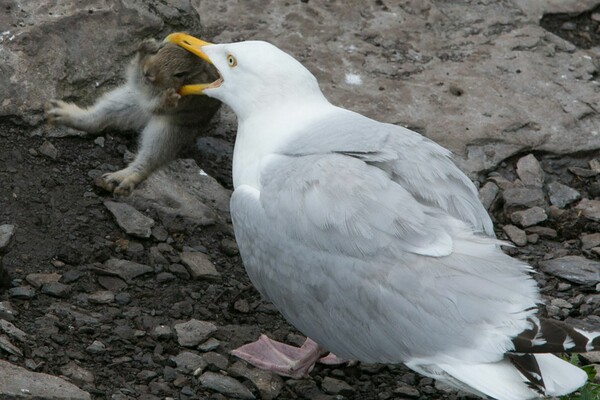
{"x":231,"y":60}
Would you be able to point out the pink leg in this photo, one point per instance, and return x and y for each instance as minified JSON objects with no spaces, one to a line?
{"x":281,"y":358}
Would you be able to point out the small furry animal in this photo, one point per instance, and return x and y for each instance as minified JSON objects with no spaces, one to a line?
{"x":148,"y":101}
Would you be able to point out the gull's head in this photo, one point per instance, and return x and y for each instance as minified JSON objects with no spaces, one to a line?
{"x":254,"y":75}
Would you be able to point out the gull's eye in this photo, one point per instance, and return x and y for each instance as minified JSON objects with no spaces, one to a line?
{"x":231,"y":61}
{"x":180,"y":74}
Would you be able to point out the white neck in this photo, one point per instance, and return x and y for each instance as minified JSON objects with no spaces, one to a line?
{"x":263,"y":134}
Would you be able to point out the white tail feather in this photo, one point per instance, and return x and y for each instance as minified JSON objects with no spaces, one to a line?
{"x":560,"y":377}
{"x":500,"y":380}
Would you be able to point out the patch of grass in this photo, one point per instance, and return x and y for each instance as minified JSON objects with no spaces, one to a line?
{"x":591,"y":391}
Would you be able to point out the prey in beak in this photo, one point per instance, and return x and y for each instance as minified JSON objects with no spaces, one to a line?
{"x":194,"y":46}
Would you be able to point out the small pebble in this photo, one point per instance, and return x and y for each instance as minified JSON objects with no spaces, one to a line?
{"x":516,"y":235}
{"x":101,"y":297}
{"x":216,"y":360}
{"x":22,"y":292}
{"x":210,"y":345}
{"x":56,"y":289}
{"x":97,"y":347}
{"x":122,"y":298}
{"x":529,"y":217}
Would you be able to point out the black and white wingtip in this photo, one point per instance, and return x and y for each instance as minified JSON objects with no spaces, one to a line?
{"x":550,"y":336}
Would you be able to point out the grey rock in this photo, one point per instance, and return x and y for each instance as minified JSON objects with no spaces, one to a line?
{"x":100,"y":140}
{"x":179,"y":271}
{"x":533,"y":238}
{"x":97,"y":347}
{"x":268,"y":384}
{"x":590,"y":240}
{"x":530,"y":171}
{"x":18,"y":383}
{"x":561,"y":195}
{"x":217,"y":360}
{"x":188,"y":362}
{"x":583,"y":172}
{"x":229,"y":247}
{"x":576,"y":269}
{"x":124,"y":269}
{"x":159,"y":233}
{"x":194,"y":332}
{"x":407,"y":391}
{"x":242,"y":306}
{"x":590,"y":208}
{"x":561,"y":303}
{"x":592,"y":357}
{"x":595,"y":164}
{"x":22,"y":292}
{"x":523,"y":197}
{"x":77,"y":374}
{"x":529,"y":217}
{"x":72,"y":275}
{"x":112,"y":283}
{"x":210,"y":345}
{"x":516,"y":235}
{"x":162,"y":332}
{"x":7,"y":232}
{"x":305,"y":388}
{"x":199,"y":266}
{"x":48,"y":150}
{"x":225,"y":385}
{"x":488,"y":193}
{"x":7,"y":312}
{"x":336,"y":386}
{"x":493,"y":124}
{"x":131,"y":220}
{"x":542,"y":231}
{"x":37,"y":280}
{"x":12,"y":330}
{"x":181,"y":195}
{"x":122,"y":298}
{"x":164,"y":277}
{"x":101,"y":297}
{"x":146,"y":375}
{"x":56,"y":289}
{"x":9,"y":347}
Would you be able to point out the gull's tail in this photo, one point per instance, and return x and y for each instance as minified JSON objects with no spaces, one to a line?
{"x":530,"y":371}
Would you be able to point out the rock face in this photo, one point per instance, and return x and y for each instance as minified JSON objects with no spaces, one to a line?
{"x":91,"y":42}
{"x":19,"y":383}
{"x":482,"y":91}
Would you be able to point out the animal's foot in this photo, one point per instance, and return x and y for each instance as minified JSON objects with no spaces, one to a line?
{"x":121,"y":182}
{"x":61,"y":113}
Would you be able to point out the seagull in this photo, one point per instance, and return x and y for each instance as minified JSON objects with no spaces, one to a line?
{"x":372,"y":242}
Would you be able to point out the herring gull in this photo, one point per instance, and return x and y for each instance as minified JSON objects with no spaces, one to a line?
{"x":368,"y":239}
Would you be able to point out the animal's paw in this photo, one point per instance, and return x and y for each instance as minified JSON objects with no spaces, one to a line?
{"x":120,"y":183}
{"x":171,"y":98}
{"x":60,"y":112}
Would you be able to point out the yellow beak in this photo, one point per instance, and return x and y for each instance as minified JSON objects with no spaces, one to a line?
{"x":194,"y":46}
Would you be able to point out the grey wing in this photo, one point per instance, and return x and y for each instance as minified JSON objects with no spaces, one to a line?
{"x":422,"y":167}
{"x":356,"y":263}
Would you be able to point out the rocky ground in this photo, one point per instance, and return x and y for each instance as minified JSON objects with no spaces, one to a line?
{"x":144,"y":297}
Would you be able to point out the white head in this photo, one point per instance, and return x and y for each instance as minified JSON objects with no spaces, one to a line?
{"x":255,"y":75}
